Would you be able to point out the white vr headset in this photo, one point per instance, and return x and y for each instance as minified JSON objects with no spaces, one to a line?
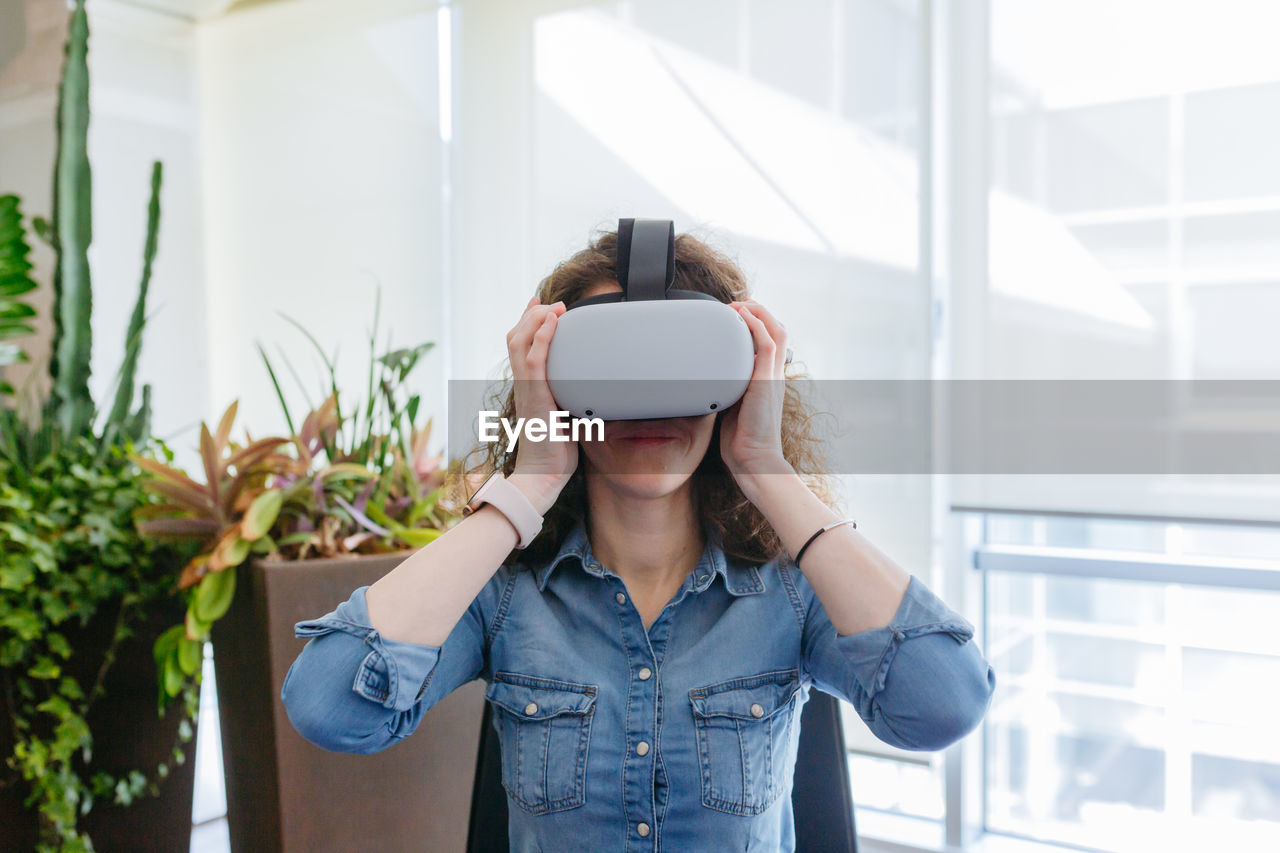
{"x":650,"y":351}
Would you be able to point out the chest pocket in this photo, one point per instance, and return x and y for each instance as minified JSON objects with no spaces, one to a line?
{"x":745,"y":729}
{"x":544,"y":728}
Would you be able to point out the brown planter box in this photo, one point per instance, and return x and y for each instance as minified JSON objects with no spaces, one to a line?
{"x":286,"y":794}
{"x":129,"y":734}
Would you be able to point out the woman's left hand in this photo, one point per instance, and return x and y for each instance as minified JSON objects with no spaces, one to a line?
{"x":751,"y":430}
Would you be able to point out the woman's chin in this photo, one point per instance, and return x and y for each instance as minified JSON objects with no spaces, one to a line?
{"x":646,"y":484}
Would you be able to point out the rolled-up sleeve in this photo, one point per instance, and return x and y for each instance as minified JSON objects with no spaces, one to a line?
{"x":353,"y":690}
{"x":919,"y":682}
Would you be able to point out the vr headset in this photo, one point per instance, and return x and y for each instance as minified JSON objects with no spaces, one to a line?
{"x":650,"y":351}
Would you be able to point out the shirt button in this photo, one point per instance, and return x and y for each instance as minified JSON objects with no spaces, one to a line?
{"x":756,"y":710}
{"x":899,"y":635}
{"x":642,"y":748}
{"x":701,"y":578}
{"x":644,"y":673}
{"x":531,"y":708}
{"x":642,"y":828}
{"x":622,"y":599}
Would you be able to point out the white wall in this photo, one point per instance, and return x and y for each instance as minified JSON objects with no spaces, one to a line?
{"x":320,"y":158}
{"x":142,"y":108}
{"x":144,"y":103}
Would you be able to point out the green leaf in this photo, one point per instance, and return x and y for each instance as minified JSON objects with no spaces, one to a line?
{"x":43,"y":230}
{"x":58,"y":645}
{"x":166,"y":643}
{"x":172,"y":674}
{"x":45,"y":668}
{"x":189,"y":655}
{"x":417,"y":536}
{"x":16,"y":576}
{"x":264,"y":545}
{"x":14,"y":310}
{"x":14,"y":282}
{"x":214,"y":594}
{"x":196,"y":628}
{"x":262,"y":514}
{"x":23,"y":623}
{"x":236,"y":554}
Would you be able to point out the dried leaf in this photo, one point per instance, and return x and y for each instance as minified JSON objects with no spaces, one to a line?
{"x":193,"y":571}
{"x":196,"y":502}
{"x":224,"y":428}
{"x":231,"y":550}
{"x":210,"y":456}
{"x":178,"y":528}
{"x":255,"y":451}
{"x":165,"y":472}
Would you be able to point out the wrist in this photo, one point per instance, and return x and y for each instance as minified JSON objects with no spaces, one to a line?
{"x":766,"y":477}
{"x":756,"y":476}
{"x":541,"y":489}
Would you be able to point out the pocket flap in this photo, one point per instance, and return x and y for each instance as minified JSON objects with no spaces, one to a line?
{"x":535,"y":698}
{"x":737,"y":697}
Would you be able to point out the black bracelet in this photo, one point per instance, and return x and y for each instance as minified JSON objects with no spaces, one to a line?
{"x":820,"y":531}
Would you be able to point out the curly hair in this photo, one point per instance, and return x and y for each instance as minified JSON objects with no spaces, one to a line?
{"x":723,"y":509}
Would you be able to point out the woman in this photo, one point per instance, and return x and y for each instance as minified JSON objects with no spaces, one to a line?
{"x":649,"y":653}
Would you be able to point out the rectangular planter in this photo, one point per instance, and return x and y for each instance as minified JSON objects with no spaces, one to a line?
{"x":286,"y":794}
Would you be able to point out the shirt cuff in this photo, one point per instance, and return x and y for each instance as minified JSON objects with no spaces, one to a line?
{"x":394,"y":674}
{"x":921,"y":612}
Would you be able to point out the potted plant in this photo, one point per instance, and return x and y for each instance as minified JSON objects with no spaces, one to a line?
{"x":82,"y":595}
{"x":287,"y":527}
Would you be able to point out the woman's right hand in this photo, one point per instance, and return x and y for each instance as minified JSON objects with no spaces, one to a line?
{"x":542,"y":467}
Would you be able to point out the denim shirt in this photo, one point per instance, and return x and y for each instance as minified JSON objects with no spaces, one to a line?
{"x":681,"y":737}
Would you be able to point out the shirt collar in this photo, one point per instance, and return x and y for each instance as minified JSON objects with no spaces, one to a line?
{"x":739,"y":578}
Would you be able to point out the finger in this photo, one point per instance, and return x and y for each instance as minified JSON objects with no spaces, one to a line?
{"x":766,"y":350}
{"x":777,"y":331}
{"x":520,"y":338}
{"x":772,"y":323}
{"x":536,"y":359}
{"x":522,"y":324}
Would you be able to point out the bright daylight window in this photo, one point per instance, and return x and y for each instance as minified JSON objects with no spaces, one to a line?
{"x":1139,"y":661}
{"x":1134,"y":194}
{"x":1131,"y":708}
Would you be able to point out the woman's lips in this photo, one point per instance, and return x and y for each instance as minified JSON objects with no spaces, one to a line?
{"x":641,"y":432}
{"x":647,"y":440}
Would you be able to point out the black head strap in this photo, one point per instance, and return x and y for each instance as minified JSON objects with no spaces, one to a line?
{"x":646,"y":264}
{"x":646,"y":258}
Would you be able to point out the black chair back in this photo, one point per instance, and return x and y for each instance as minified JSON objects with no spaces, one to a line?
{"x":820,"y":797}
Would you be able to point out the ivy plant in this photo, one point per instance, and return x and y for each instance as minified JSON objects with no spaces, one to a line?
{"x":69,"y":551}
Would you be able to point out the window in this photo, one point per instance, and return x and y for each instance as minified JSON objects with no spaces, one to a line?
{"x":1132,"y":709}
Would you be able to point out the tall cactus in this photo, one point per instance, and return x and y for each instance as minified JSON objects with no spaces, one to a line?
{"x":119,"y":418}
{"x":72,"y":232}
